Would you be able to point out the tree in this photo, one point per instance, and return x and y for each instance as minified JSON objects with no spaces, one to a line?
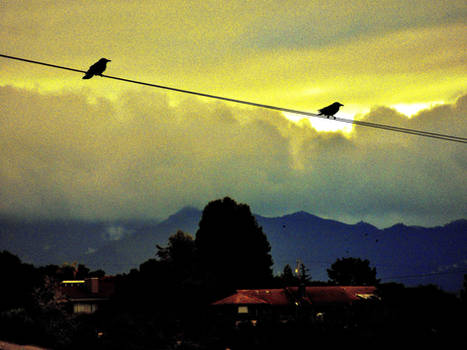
{"x":233,"y":251}
{"x":181,"y":248}
{"x":81,"y":272}
{"x":351,"y":272}
{"x":463,"y":294}
{"x":30,"y":310}
{"x":304,"y":277}
{"x":18,"y":282}
{"x":161,"y":295}
{"x":179,"y":255}
{"x":69,"y":272}
{"x":288,"y":278}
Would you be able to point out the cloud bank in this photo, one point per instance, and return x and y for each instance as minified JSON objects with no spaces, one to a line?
{"x":292,"y":53}
{"x":68,"y":155}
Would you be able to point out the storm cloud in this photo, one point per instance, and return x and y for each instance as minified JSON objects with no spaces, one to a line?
{"x":69,"y":155}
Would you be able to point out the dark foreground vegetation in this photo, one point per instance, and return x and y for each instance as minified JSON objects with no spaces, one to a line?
{"x":166,"y":303}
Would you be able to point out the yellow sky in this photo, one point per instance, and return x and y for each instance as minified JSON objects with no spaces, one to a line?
{"x":102,"y":148}
{"x":295,"y":54}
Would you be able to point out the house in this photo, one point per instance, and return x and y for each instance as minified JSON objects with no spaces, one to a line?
{"x":256,"y":304}
{"x":87,"y":295}
{"x":315,"y":303}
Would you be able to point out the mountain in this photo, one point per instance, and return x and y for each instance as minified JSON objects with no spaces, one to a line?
{"x":411,"y":255}
{"x":408,"y":254}
{"x":132,"y":250}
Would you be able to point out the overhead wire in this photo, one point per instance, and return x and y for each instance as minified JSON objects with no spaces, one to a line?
{"x":426,"y":274}
{"x":396,"y":277}
{"x":281,"y":109}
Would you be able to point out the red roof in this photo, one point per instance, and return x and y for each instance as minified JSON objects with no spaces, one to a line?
{"x":256,"y":296}
{"x":336,"y":294}
{"x":313,"y":295}
{"x":240,"y":298}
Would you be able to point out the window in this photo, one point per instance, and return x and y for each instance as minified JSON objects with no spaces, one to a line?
{"x":86,"y":308}
{"x":243,"y":309}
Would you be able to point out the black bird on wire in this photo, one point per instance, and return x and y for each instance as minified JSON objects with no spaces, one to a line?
{"x":97,"y":68}
{"x":330,"y":110}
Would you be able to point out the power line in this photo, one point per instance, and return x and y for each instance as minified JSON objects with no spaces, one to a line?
{"x":42,"y":63}
{"x":426,"y":274}
{"x":377,"y":265}
{"x":281,"y":109}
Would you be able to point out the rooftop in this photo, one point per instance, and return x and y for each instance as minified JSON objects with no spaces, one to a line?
{"x":286,"y":296}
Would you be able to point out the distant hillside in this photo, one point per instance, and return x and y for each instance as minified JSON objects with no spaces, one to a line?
{"x":400,"y":253}
{"x":122,"y":255}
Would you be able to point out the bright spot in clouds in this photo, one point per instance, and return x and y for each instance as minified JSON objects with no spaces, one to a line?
{"x":410,"y":109}
{"x":321,"y":124}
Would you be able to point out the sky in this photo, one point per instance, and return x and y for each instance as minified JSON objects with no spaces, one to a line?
{"x":102,"y":149}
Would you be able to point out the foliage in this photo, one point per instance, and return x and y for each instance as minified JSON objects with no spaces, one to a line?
{"x":18,"y":282}
{"x":30,"y":309}
{"x":288,"y":278}
{"x":69,"y":272}
{"x":304,"y":277}
{"x":233,"y":251}
{"x":164,"y":304}
{"x":352,"y":272}
{"x":173,"y":291}
{"x":179,"y":254}
{"x":424,"y":312}
{"x":463,"y":293}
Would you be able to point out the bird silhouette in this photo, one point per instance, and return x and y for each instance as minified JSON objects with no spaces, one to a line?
{"x":97,"y":68}
{"x":330,"y":110}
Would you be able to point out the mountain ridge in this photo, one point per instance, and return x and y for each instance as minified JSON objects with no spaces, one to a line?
{"x":118,"y":246}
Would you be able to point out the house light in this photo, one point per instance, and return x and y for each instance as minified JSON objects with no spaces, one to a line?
{"x":243,"y":309}
{"x":72,"y":281}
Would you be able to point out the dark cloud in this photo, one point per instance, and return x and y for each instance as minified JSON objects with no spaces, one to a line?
{"x":64,"y":155}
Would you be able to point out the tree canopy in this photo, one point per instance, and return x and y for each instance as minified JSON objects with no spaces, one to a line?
{"x":351,"y":272}
{"x":232,"y":248}
{"x":287,"y":278}
{"x":179,"y":253}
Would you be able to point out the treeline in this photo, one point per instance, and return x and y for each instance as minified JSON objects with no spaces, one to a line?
{"x":164,"y":304}
{"x":30,"y":309}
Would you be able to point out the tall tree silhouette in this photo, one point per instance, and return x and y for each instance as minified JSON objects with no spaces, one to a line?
{"x":304,"y":277}
{"x":233,"y":250}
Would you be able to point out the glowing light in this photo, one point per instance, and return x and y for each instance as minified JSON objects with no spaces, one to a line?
{"x":320,"y":124}
{"x":410,"y":109}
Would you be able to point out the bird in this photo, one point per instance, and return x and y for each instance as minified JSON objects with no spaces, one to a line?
{"x":97,"y":68}
{"x":330,"y":110}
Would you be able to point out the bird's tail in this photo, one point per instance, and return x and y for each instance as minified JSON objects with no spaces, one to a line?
{"x":87,"y":76}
